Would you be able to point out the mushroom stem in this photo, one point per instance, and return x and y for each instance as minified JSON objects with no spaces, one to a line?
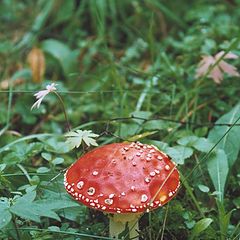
{"x":119,"y":222}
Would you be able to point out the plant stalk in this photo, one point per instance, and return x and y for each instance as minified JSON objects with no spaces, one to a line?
{"x":119,"y":222}
{"x":64,"y":110}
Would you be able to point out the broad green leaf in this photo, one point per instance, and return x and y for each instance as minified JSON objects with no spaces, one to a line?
{"x":203,"y":188}
{"x":156,"y":125}
{"x":187,"y":141}
{"x":203,"y":145}
{"x":27,"y":208}
{"x":217,"y":165}
{"x":65,"y":11}
{"x":55,"y":204}
{"x":57,"y":161}
{"x":200,"y":226}
{"x":230,"y":143}
{"x":62,"y":53}
{"x":55,"y":145}
{"x":5,"y":215}
{"x":179,"y":153}
{"x":43,"y":170}
{"x":74,"y":139}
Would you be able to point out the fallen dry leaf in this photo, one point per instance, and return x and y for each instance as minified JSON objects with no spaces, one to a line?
{"x":222,"y":67}
{"x":36,"y":61}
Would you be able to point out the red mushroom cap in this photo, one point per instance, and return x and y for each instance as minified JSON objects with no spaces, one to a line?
{"x":123,"y":178}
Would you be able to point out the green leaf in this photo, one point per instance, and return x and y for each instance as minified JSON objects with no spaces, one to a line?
{"x":5,"y":215}
{"x":230,"y":143}
{"x":57,"y":161}
{"x":56,"y":204}
{"x":224,"y":218}
{"x":25,"y":207}
{"x":156,"y":125}
{"x":200,"y":226}
{"x":74,"y":139}
{"x":187,"y":141}
{"x":179,"y":153}
{"x":218,"y":170}
{"x":43,"y":170}
{"x":62,"y":53}
{"x":203,"y":188}
{"x":65,"y":11}
{"x":203,"y":145}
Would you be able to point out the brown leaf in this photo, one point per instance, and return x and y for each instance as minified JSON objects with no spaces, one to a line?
{"x":222,"y":67}
{"x":36,"y":60}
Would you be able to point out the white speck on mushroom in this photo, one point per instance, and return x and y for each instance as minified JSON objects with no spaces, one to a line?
{"x":132,"y":188}
{"x":144,"y":198}
{"x":147,"y":180}
{"x":87,"y":199}
{"x":152,"y":174}
{"x":134,"y":163}
{"x":170,"y":194}
{"x":72,"y":190}
{"x":167,"y":167}
{"x":152,"y":151}
{"x":95,"y":173}
{"x":104,"y":207}
{"x":134,"y":210}
{"x":132,"y":206}
{"x":159,"y":158}
{"x":118,"y":211}
{"x":147,"y":210}
{"x":157,"y":171}
{"x":68,"y":187}
{"x":80,"y":184}
{"x":138,"y":154}
{"x":96,"y":200}
{"x":108,"y":201}
{"x":111,"y":195}
{"x":92,"y":204}
{"x":91,"y":191}
{"x":123,"y":193}
{"x":149,"y":155}
{"x":148,"y":159}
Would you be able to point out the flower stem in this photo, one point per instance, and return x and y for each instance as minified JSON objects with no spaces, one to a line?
{"x":64,"y":110}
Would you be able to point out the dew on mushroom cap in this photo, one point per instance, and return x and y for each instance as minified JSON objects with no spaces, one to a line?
{"x":122,"y":178}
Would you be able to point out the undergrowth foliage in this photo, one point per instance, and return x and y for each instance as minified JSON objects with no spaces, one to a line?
{"x":114,"y":71}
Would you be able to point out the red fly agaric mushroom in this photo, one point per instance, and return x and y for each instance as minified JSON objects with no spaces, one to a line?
{"x":124,"y":180}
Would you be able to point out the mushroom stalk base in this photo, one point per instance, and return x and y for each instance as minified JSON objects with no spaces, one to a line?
{"x":119,"y":222}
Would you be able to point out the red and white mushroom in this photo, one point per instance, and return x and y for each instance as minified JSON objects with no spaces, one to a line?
{"x":125,"y":180}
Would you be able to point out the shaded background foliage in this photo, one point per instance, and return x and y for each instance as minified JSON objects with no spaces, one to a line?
{"x":114,"y":59}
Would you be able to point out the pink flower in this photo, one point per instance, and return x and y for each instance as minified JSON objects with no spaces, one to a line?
{"x":217,"y":72}
{"x":42,"y":94}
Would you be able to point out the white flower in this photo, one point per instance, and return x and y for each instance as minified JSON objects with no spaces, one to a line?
{"x":74,"y":139}
{"x":42,"y":94}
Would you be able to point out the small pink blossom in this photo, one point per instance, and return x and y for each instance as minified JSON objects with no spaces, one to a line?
{"x":42,"y":94}
{"x":217,"y":72}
